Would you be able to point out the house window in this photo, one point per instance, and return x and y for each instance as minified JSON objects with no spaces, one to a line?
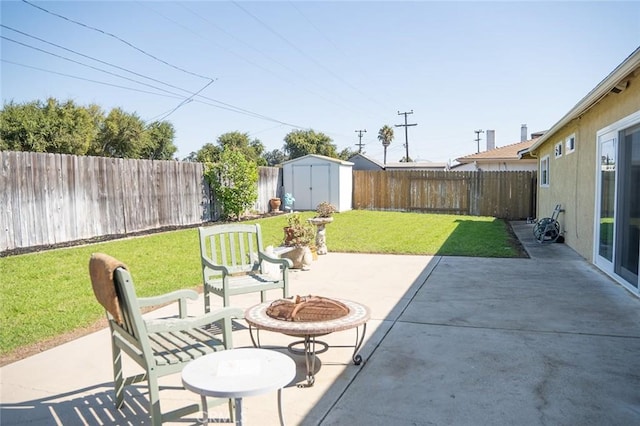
{"x":544,"y":171}
{"x":558,"y":149}
{"x":571,"y":144}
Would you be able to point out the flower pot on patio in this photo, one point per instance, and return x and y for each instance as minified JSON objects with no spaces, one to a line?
{"x":300,"y":256}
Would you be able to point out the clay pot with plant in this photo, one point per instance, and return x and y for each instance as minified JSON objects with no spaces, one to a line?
{"x":298,"y":233}
{"x":300,"y":236}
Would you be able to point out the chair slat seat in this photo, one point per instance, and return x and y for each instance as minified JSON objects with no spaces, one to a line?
{"x":234,"y":262}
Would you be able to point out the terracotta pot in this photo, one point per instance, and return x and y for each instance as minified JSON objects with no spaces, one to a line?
{"x":288,"y":235}
{"x":274,"y":203}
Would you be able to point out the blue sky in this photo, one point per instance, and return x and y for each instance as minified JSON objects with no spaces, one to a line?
{"x":335,"y":67}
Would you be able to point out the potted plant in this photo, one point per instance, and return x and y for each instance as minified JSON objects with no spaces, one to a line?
{"x":297,"y":233}
{"x":325,"y":209}
{"x":299,"y":236}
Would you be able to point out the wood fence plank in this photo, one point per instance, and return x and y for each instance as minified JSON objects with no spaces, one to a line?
{"x":500,"y":194}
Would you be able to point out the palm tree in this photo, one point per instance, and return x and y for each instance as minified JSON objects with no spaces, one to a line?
{"x":385,"y":135}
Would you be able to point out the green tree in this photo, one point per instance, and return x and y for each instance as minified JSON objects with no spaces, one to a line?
{"x":71,"y":128}
{"x":122,"y":135}
{"x":347,"y":153}
{"x":21,"y":127}
{"x":385,"y":135}
{"x":275,"y":157}
{"x":50,"y":126}
{"x":209,"y":153}
{"x":235,"y":182}
{"x":159,"y":141}
{"x":299,"y":143}
{"x":251,"y":149}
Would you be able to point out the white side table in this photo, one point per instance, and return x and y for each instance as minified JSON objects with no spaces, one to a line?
{"x":236,"y":373}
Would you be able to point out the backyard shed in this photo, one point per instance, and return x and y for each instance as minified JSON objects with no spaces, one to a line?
{"x":315,"y":178}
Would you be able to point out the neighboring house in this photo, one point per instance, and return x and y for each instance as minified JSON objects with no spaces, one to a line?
{"x":505,"y":158}
{"x":362,"y":162}
{"x":417,"y":165}
{"x":589,"y":162}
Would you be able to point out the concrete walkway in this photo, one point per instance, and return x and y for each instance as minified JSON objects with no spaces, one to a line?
{"x":452,"y":341}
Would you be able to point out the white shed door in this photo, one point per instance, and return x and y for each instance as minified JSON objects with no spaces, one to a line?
{"x":311,"y":185}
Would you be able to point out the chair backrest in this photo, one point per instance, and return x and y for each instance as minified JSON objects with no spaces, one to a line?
{"x":132,"y":323}
{"x":114,"y":289}
{"x":233,"y":246}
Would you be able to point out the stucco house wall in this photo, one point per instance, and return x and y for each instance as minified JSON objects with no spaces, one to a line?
{"x":607,"y":120}
{"x":573,"y":175}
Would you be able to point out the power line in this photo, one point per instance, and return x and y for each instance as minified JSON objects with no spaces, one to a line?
{"x":335,"y":47}
{"x":186,"y":101}
{"x":117,"y":38}
{"x":83,"y":64}
{"x":225,"y":106}
{"x":406,"y":133}
{"x":335,"y":100}
{"x":301,"y":51}
{"x":91,"y":57}
{"x":90,"y":80}
{"x":360,"y":144}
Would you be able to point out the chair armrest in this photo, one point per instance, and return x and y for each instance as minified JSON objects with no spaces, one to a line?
{"x":286,"y":263}
{"x":215,"y":267}
{"x":177,"y":324}
{"x":179,"y":296}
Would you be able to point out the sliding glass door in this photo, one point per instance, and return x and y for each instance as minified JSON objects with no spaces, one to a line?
{"x":608,"y":144}
{"x":628,"y":230}
{"x":617,"y":236}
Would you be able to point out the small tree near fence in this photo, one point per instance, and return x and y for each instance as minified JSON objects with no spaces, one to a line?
{"x":234,"y":180}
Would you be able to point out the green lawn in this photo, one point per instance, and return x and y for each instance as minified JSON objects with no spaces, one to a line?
{"x":46,"y":294}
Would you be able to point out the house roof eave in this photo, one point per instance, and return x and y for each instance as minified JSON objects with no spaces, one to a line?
{"x":615,"y":78}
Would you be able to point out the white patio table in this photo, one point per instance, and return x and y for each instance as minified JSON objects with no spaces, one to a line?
{"x":236,"y":373}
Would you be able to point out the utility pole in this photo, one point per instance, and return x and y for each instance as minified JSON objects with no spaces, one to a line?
{"x":360,"y":144}
{"x":478,"y":138}
{"x":406,"y":133}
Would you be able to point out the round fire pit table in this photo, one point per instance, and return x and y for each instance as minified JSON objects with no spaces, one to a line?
{"x":256,"y":316}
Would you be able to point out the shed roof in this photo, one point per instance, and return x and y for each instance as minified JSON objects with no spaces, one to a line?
{"x":320,"y":157}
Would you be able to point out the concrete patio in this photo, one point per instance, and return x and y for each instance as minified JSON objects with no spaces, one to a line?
{"x":451,"y":341}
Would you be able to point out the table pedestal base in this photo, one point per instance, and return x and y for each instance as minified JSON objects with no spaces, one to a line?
{"x":309,"y":350}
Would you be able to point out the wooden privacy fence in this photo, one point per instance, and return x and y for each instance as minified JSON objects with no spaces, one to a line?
{"x":54,"y":198}
{"x":48,"y":199}
{"x":509,"y":195}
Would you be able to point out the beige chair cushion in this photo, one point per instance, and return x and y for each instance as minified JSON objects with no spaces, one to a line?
{"x":101,"y":269}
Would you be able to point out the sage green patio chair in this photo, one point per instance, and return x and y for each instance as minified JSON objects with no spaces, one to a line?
{"x":234,"y":262}
{"x":160,"y":346}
